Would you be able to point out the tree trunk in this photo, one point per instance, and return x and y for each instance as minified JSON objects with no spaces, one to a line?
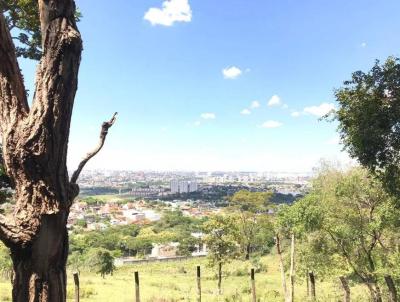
{"x":391,"y":288}
{"x":248,"y":250}
{"x":292,"y":268}
{"x":375,"y":291}
{"x":39,"y":271}
{"x":312,"y":286}
{"x":219,"y":278}
{"x":35,"y":143}
{"x":281,"y":266}
{"x":346,"y":288}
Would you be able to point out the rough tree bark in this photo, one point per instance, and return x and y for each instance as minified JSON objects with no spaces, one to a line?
{"x":346,"y":288}
{"x":391,"y":288}
{"x":35,"y":142}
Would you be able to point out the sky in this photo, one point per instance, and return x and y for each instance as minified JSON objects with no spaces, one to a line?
{"x":232,"y":85}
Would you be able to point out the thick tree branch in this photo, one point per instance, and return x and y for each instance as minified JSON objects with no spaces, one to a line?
{"x":15,"y":235}
{"x":13,"y":101}
{"x":103,"y":135}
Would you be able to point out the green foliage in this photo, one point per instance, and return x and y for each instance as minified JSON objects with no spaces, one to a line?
{"x":254,"y":202}
{"x":347,"y":225}
{"x":254,"y":226}
{"x":221,"y":234}
{"x":369,"y":117}
{"x":134,"y":240}
{"x":100,"y":260}
{"x":5,"y":261}
{"x":22,"y":17}
{"x":187,"y":245}
{"x":93,"y":201}
{"x":113,"y":238}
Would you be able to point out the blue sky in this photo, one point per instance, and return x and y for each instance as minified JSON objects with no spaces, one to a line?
{"x":161,"y":64}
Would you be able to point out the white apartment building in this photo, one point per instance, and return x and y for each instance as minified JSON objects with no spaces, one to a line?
{"x":174,"y":186}
{"x":183,"y":186}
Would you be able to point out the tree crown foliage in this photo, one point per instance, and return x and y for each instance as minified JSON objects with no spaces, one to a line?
{"x":22,"y":17}
{"x":346,"y":225}
{"x":245,"y":200}
{"x":221,"y":234}
{"x":369,"y":120}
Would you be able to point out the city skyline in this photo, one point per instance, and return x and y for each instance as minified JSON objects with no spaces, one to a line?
{"x":238,"y":86}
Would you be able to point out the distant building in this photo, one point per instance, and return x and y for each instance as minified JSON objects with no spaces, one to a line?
{"x":193,"y":187}
{"x":183,"y":186}
{"x":164,"y":250}
{"x":174,"y":186}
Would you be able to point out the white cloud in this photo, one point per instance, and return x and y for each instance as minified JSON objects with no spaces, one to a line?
{"x":172,"y":11}
{"x":275,"y":100}
{"x":255,"y":104}
{"x":363,"y":44}
{"x":231,"y":72}
{"x":271,"y":124}
{"x":245,"y":112}
{"x":208,"y":116}
{"x":285,"y":106}
{"x":320,"y":110}
{"x":295,"y":114}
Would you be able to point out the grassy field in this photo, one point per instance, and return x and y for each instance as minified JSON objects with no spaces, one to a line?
{"x":176,"y":281}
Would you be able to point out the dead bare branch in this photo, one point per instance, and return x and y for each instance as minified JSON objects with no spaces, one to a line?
{"x":103,"y":135}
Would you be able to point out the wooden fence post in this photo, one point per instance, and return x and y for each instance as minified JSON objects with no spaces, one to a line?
{"x":311,"y":276}
{"x":137,"y":289}
{"x":253,"y":286}
{"x":76,"y":281}
{"x":198,"y":284}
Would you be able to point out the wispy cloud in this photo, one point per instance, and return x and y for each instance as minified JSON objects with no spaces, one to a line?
{"x":208,"y":116}
{"x":231,"y":72}
{"x":255,"y":104}
{"x":319,"y":110}
{"x":275,"y":100}
{"x":271,"y":124}
{"x":363,"y":44}
{"x":197,"y":123}
{"x":245,"y":112}
{"x":295,"y":114}
{"x":172,"y":11}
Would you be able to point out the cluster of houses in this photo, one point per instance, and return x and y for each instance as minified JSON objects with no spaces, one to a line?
{"x":99,"y":217}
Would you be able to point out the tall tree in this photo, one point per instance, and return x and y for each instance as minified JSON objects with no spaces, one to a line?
{"x":353,"y":218}
{"x":249,"y":207}
{"x":369,"y":120}
{"x":221,"y":234}
{"x":35,"y":141}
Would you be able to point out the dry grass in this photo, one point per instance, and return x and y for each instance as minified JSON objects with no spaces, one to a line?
{"x":176,"y":281}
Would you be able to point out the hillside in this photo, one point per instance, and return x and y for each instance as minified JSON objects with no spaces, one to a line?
{"x":176,"y":281}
